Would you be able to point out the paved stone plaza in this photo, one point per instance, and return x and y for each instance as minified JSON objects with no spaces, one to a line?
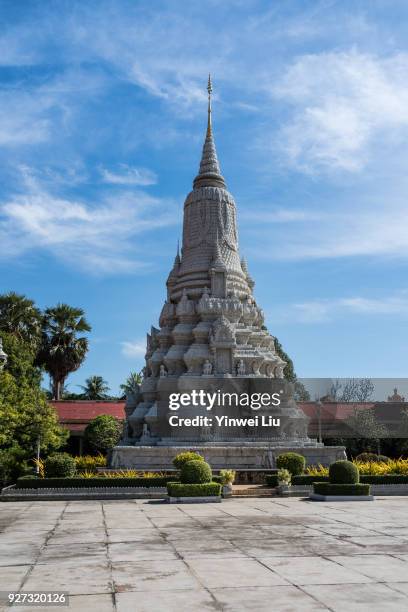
{"x":247,"y":554}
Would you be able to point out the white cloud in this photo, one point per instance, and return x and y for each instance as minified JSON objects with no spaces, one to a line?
{"x":96,"y":237}
{"x":128,"y":175}
{"x":281,"y":215}
{"x":342,"y":105}
{"x":323,"y":310}
{"x":33,"y":113}
{"x":361,"y":225}
{"x":136,"y":348}
{"x":24,"y":118}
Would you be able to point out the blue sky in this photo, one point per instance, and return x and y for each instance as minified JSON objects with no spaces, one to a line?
{"x":103,"y":112}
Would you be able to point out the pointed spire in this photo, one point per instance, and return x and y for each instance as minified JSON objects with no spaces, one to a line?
{"x":173,"y":274}
{"x":249,"y":279}
{"x":209,"y":89}
{"x":217,"y":260}
{"x":177,"y":258}
{"x":209,"y":173}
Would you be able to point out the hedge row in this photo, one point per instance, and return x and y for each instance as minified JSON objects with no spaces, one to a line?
{"x":207,"y":489}
{"x":305,"y":479}
{"x":41,"y":483}
{"x":326,"y":488}
{"x":217,"y":479}
{"x":272,"y":480}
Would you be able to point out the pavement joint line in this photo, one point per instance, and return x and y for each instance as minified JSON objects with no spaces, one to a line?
{"x":217,"y":604}
{"x":44,"y":545}
{"x":315,"y":598}
{"x":393,"y":586}
{"x":109,"y":561}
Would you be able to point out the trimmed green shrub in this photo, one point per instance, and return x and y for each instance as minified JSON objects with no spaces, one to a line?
{"x":218,"y":479}
{"x":182,"y":458}
{"x":83,"y":483}
{"x":306,"y":479}
{"x":195,"y":472}
{"x":103,"y":432}
{"x":343,"y":472}
{"x":59,"y":465}
{"x":293,"y":462}
{"x":371,"y":458}
{"x":327,"y":488}
{"x":178,"y":489}
{"x":271,"y":480}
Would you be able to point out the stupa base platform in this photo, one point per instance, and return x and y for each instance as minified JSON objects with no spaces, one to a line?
{"x":246,"y":455}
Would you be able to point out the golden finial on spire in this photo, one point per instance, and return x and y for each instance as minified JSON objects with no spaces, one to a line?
{"x":209,"y":89}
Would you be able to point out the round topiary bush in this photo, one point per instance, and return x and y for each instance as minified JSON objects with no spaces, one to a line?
{"x":372,"y":458}
{"x":103,"y":433}
{"x":195,"y":472}
{"x":344,"y":472}
{"x":60,"y":465}
{"x":292,"y":462}
{"x":182,"y":458}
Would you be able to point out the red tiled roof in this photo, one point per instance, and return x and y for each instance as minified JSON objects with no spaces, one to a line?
{"x":333,"y":410}
{"x":84,"y":411}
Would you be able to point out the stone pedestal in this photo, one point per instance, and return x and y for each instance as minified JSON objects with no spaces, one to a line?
{"x":243,"y":456}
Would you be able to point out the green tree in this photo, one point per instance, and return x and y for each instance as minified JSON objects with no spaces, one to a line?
{"x":367,"y":428}
{"x":301,"y":394}
{"x":21,"y":358}
{"x":25,"y":415}
{"x":103,"y":433}
{"x":62,"y":348}
{"x":95,"y":388}
{"x":289,"y":370}
{"x":132,"y":383}
{"x":20,"y":317}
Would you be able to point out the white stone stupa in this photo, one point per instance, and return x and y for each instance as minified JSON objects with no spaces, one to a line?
{"x":211,"y":328}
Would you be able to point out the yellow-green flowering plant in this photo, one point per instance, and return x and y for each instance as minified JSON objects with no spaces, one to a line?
{"x":227,"y":476}
{"x":90,"y":462}
{"x":284,"y":477}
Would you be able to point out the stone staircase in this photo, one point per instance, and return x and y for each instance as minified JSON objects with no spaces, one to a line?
{"x":254,"y":490}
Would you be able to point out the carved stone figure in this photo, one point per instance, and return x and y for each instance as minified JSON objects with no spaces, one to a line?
{"x":207,"y":367}
{"x":163,"y":371}
{"x":241,"y":368}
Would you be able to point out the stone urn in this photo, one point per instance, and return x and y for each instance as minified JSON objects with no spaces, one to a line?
{"x":227,"y":489}
{"x":227,"y":478}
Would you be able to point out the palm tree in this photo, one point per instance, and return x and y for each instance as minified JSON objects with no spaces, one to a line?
{"x":132,"y":384}
{"x":20,"y":317}
{"x":95,"y":388}
{"x":62,"y":351}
